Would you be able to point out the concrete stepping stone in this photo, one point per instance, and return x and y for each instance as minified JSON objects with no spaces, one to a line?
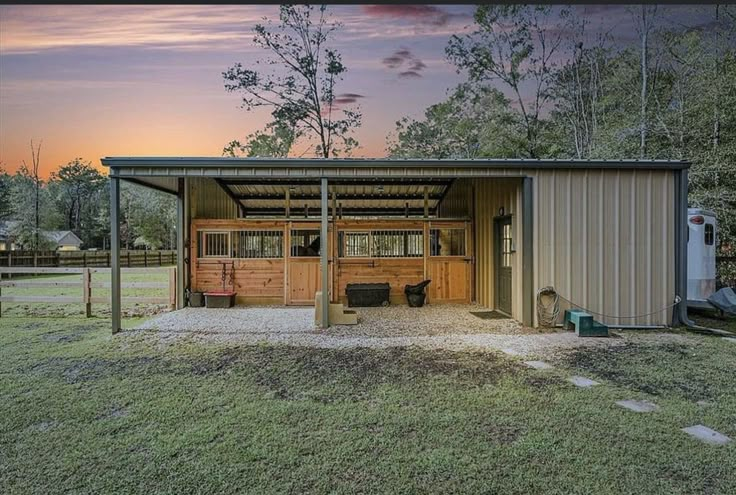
{"x":641,"y":406}
{"x":582,"y":382}
{"x":705,"y":434}
{"x":538,"y":365}
{"x":704,"y":403}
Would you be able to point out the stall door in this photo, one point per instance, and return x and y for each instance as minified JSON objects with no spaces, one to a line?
{"x":450,"y":280}
{"x":304,"y":281}
{"x":503,"y":251}
{"x":303,"y":269}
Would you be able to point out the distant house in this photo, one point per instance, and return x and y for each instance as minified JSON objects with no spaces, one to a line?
{"x":6,"y":239}
{"x":63,"y":240}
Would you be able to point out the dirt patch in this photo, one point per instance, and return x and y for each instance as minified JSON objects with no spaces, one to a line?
{"x":114,"y":412}
{"x":667,"y":368}
{"x":30,"y":327}
{"x":362,"y":371}
{"x":215,"y":364}
{"x":85,"y":370}
{"x":503,"y":434}
{"x":69,"y":334}
{"x":57,"y":338}
{"x":539,"y":380}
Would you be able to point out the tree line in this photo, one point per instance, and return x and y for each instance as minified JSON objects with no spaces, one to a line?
{"x":538,"y":85}
{"x":75,"y":197}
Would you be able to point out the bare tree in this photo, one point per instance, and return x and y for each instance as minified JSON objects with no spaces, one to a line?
{"x":645,"y":24}
{"x":300,"y":81}
{"x":33,"y":173}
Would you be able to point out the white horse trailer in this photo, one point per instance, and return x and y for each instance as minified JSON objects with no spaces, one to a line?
{"x":701,"y":257}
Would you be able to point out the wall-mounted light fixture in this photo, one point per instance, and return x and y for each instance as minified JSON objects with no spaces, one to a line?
{"x":501,"y":211}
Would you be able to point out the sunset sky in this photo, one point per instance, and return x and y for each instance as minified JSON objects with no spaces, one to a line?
{"x":94,"y":81}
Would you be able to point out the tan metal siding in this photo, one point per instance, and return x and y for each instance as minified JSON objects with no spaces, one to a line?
{"x":457,"y":201}
{"x":208,"y":200}
{"x":490,"y":195}
{"x":605,"y":239}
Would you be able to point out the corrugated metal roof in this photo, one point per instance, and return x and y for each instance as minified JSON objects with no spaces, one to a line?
{"x":230,"y":162}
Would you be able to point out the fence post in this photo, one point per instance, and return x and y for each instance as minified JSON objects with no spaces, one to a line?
{"x":145,"y":258}
{"x":87,"y":291}
{"x":10,"y":263}
{"x":84,"y":259}
{"x":172,"y":288}
{"x":128,"y":258}
{"x":159,"y":258}
{"x":108,"y":259}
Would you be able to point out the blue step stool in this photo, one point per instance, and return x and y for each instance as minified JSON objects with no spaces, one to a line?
{"x":585,"y":325}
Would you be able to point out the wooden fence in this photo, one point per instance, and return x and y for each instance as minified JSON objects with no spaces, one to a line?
{"x":86,"y":285}
{"x":128,"y":258}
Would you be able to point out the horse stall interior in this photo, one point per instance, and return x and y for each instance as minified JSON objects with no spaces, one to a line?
{"x":262,"y":238}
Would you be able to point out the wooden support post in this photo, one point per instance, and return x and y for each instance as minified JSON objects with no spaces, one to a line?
{"x":334,"y":206}
{"x":115,"y":298}
{"x":339,"y":212}
{"x":306,"y":210}
{"x":172,"y":288}
{"x":324,"y":260}
{"x":87,"y":291}
{"x":287,"y":202}
{"x":406,"y":210}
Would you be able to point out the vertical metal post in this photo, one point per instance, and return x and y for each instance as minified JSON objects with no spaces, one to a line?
{"x":527,"y":255}
{"x":426,"y":202}
{"x":323,"y":246}
{"x":287,"y":205}
{"x":187,"y":275}
{"x":115,"y":251}
{"x":181,"y":251}
{"x":679,"y":316}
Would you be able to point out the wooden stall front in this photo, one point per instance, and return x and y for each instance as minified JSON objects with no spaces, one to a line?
{"x":277,"y":261}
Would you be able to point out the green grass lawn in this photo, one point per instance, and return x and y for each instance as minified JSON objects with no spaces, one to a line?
{"x":84,"y":412}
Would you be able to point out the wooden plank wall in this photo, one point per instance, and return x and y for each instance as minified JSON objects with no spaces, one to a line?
{"x":257,"y":281}
{"x":396,"y":271}
{"x":292,"y":281}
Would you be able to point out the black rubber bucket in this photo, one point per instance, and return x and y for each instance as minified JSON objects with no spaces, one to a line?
{"x":415,"y":300}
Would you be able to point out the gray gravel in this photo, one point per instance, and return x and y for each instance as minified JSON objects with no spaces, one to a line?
{"x":446,"y":327}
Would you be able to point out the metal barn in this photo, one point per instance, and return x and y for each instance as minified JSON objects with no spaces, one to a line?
{"x":608,"y":235}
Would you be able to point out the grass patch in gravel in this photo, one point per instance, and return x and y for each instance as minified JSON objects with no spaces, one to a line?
{"x":125,"y":414}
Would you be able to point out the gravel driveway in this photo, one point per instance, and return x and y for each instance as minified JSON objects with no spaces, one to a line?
{"x":447,"y":327}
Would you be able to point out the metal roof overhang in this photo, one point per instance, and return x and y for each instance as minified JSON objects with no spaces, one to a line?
{"x":161,"y":172}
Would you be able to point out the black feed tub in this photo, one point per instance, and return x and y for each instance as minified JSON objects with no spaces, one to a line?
{"x":361,"y":295}
{"x":415,"y":294}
